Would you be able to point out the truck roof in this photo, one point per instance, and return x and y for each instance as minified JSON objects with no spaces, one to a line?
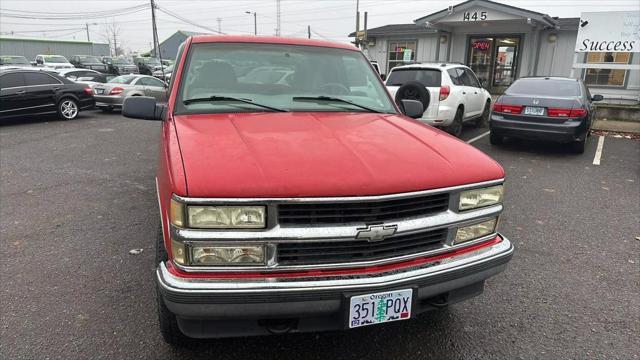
{"x":270,"y":40}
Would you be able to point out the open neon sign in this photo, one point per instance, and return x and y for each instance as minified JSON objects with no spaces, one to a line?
{"x":482,"y":45}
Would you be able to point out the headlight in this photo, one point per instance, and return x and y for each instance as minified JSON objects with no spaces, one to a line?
{"x":472,"y":199}
{"x":227,"y":255}
{"x":220,"y":217}
{"x":475,"y":231}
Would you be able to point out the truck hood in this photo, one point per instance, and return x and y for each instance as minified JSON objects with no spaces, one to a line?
{"x":322,"y":154}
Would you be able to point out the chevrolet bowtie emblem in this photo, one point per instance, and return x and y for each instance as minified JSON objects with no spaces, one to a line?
{"x":373,"y":233}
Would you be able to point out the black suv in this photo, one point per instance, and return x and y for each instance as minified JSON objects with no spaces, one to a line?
{"x":147,"y":65}
{"x":119,"y":66}
{"x":88,"y":62}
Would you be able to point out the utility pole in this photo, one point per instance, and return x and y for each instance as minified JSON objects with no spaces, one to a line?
{"x":154,"y":29}
{"x":87,"y":27}
{"x":115,"y":44}
{"x":219,"y":20}
{"x":277,"y":17}
{"x":308,"y":31}
{"x":357,"y":42}
{"x":364,"y":38}
{"x":255,"y":21}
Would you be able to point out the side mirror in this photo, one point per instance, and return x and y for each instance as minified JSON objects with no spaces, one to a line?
{"x":383,"y":77}
{"x":483,"y":83}
{"x":412,"y":108}
{"x":597,"y":97}
{"x":143,"y":107}
{"x":39,"y":62}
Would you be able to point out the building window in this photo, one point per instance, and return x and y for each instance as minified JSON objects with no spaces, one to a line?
{"x":401,"y":52}
{"x":606,"y":77}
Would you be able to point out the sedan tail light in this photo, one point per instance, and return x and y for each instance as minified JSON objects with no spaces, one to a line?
{"x":579,"y":112}
{"x":88,"y":91}
{"x":508,"y":109}
{"x":116,"y":91}
{"x":444,"y":92}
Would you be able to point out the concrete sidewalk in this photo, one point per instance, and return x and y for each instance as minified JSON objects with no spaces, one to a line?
{"x":617,"y":126}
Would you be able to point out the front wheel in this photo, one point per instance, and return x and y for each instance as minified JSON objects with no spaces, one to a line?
{"x":68,"y":109}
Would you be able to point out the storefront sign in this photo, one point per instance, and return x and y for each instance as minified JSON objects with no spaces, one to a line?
{"x":612,"y":31}
{"x":482,"y":45}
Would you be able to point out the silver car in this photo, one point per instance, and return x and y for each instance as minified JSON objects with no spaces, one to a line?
{"x":111,"y":94}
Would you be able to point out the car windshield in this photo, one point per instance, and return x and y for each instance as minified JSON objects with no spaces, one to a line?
{"x":544,"y":87}
{"x":121,"y":62}
{"x":55,"y":59}
{"x":427,"y":77}
{"x":283,"y":77}
{"x":124,"y":79}
{"x":152,"y":61}
{"x":13,"y":60}
{"x":89,"y":59}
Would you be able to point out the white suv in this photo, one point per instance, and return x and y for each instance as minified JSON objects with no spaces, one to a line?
{"x":451,"y":93}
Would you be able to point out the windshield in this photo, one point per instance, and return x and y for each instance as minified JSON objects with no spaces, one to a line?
{"x":427,"y":77}
{"x":13,"y":60}
{"x":151,"y":61}
{"x":279,"y":76}
{"x":121,"y":62}
{"x":55,"y":59}
{"x":89,"y":59}
{"x":124,"y":79}
{"x":544,"y":87}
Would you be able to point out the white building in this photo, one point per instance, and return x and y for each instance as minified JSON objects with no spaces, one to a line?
{"x":502,"y":43}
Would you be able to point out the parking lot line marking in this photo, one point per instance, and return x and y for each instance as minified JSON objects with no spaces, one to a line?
{"x":478,"y":137}
{"x":596,"y":158}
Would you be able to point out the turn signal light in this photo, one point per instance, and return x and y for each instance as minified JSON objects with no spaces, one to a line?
{"x":444,"y":92}
{"x":508,"y":109}
{"x":116,"y":91}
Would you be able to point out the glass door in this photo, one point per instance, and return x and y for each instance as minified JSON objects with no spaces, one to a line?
{"x":506,"y":61}
{"x":495,"y":61}
{"x":481,"y":58}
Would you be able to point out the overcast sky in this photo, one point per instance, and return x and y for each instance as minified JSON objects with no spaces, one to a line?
{"x":329,"y":19}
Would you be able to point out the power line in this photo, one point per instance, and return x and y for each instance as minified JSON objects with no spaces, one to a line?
{"x":38,"y":15}
{"x":174,"y":15}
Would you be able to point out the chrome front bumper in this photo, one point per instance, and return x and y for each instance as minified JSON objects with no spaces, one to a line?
{"x":497,"y":254}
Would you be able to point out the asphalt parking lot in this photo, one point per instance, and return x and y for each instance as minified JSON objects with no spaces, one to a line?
{"x":77,"y":196}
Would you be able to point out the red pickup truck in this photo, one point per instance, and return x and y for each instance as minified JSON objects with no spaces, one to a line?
{"x":295,"y":195}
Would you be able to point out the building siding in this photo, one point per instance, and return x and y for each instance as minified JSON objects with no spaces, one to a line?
{"x":30,"y":48}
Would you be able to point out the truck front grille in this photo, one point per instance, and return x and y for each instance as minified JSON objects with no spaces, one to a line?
{"x":313,"y":253}
{"x":361,"y":212}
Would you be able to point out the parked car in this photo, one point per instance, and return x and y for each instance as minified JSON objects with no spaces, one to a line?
{"x":14,"y":62}
{"x":167,"y":62}
{"x":55,"y":62}
{"x":86,"y":76}
{"x":147,"y":65}
{"x":166,"y":75}
{"x":111,"y":95}
{"x":450,"y":93}
{"x":88,"y":62}
{"x":545,"y":108}
{"x":120,"y":66}
{"x":36,"y":92}
{"x":313,"y":205}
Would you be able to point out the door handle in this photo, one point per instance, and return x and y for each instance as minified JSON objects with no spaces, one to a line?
{"x":464,"y":93}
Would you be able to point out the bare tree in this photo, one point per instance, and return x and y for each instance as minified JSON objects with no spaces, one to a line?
{"x":111,"y":34}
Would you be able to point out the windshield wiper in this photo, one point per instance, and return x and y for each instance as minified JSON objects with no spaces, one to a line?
{"x":335,"y":99}
{"x":228,"y":98}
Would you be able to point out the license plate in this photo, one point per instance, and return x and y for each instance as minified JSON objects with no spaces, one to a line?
{"x":99,"y":91}
{"x":371,"y":309}
{"x":531,"y":110}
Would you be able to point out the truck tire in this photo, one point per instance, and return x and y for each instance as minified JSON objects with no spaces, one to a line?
{"x":167,"y":320}
{"x":413,"y":90}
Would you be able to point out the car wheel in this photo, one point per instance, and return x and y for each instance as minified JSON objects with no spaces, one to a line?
{"x":495,"y":138}
{"x":577,"y":147}
{"x":167,"y":320}
{"x":455,"y":128}
{"x":413,"y":90}
{"x":68,"y":109}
